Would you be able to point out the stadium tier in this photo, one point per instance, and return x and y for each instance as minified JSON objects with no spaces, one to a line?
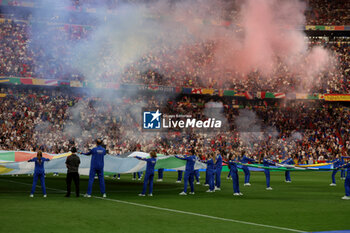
{"x":45,"y":47}
{"x":50,"y":119}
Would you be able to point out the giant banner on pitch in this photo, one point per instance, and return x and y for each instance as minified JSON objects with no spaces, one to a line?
{"x":113,"y":164}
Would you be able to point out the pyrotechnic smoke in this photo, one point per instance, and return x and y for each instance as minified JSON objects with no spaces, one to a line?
{"x":216,"y":110}
{"x":186,"y":38}
{"x":249,"y":127}
{"x":252,"y":129}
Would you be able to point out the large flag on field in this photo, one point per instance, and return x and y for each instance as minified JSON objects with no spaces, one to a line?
{"x":113,"y":164}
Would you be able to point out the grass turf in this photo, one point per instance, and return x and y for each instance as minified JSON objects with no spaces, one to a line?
{"x":306,"y":204}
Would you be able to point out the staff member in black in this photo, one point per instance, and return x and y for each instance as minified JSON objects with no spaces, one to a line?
{"x":72,"y":163}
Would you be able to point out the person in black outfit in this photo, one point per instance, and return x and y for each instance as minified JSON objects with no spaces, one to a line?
{"x":72,"y":163}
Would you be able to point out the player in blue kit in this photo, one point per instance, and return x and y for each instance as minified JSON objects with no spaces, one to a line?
{"x":96,"y":167}
{"x":160,"y":174}
{"x":206,"y":183}
{"x":336,"y":163}
{"x":342,"y":172}
{"x":197,"y":176}
{"x":39,"y":172}
{"x":189,"y":171}
{"x":151,"y":162}
{"x":210,"y":172}
{"x":267,"y":162}
{"x":232,"y":163}
{"x":288,"y":161}
{"x":218,"y":168}
{"x":139,"y":175}
{"x":347,"y":181}
{"x":179,"y":176}
{"x":244,"y":159}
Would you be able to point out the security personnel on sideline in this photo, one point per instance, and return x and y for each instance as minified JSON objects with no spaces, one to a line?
{"x":72,"y":163}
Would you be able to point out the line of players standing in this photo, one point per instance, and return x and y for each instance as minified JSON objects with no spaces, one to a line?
{"x":214,"y":167}
{"x":213,"y":172}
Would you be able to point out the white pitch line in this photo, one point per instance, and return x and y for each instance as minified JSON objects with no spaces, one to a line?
{"x":177,"y":211}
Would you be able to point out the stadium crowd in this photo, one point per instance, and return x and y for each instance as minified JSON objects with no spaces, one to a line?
{"x":328,"y":12}
{"x":319,"y":12}
{"x":25,"y":55}
{"x":55,"y":120}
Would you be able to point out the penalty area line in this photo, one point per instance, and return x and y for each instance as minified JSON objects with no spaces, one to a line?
{"x":177,"y":211}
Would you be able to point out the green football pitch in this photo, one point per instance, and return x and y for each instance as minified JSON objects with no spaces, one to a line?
{"x":307,"y":204}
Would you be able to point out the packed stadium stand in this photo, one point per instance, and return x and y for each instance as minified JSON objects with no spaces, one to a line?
{"x":51,"y":118}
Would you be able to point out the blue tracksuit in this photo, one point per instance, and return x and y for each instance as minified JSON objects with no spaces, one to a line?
{"x":206,"y":177}
{"x":342,"y":172}
{"x":39,"y":172}
{"x":160,"y":173}
{"x":267,"y":163}
{"x":96,"y":166}
{"x":196,"y":172}
{"x":218,"y":168}
{"x":347,"y":179}
{"x":287,"y":173}
{"x":189,"y":171}
{"x":234,"y":174}
{"x":336,"y":163}
{"x":229,"y":174}
{"x":179,"y":175}
{"x":151,"y":162}
{"x":139,"y":175}
{"x":210,"y":173}
{"x":196,"y":175}
{"x":245,"y":169}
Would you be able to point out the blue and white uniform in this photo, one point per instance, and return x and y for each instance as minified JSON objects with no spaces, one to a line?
{"x":96,"y":167}
{"x":218,"y":168}
{"x":197,"y":175}
{"x":267,"y":163}
{"x":336,"y":163}
{"x":151,"y":162}
{"x":234,"y":174}
{"x":206,"y":177}
{"x":39,"y":172}
{"x":347,"y":180}
{"x":245,"y":169}
{"x":160,"y":173}
{"x":342,"y":172}
{"x":210,"y":173}
{"x":179,"y":176}
{"x":288,"y":161}
{"x":196,"y":172}
{"x":139,"y":175}
{"x":189,"y":171}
